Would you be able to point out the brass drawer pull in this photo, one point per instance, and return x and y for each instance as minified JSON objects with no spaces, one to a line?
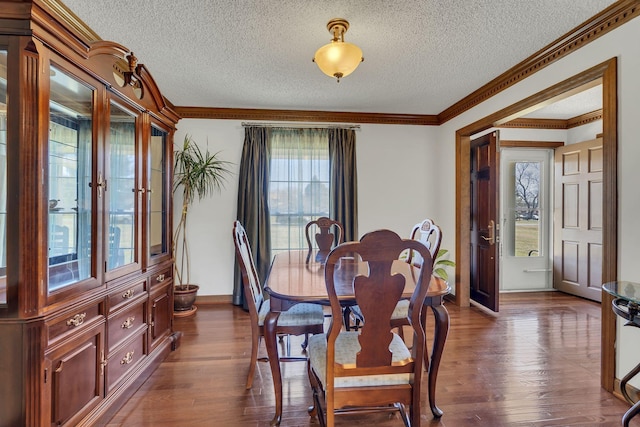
{"x":127,"y":324}
{"x":160,"y":278}
{"x":77,"y":320}
{"x":128,"y":294}
{"x":128,"y":358}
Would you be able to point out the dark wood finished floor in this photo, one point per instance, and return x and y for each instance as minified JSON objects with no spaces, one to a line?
{"x":535,"y":364}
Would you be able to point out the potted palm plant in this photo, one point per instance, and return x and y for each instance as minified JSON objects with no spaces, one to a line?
{"x":196,"y":174}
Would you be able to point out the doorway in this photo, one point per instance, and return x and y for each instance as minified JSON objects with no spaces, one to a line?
{"x":606,"y":73}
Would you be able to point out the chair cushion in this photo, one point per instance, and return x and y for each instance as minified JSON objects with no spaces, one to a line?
{"x":347,"y":346}
{"x":298,"y":315}
{"x":400,"y":312}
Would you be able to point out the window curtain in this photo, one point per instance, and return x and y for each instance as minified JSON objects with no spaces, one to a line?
{"x":344,"y":180}
{"x":299,"y":184}
{"x":253,"y":208}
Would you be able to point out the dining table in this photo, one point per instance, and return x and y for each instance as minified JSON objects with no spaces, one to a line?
{"x":291,"y":280}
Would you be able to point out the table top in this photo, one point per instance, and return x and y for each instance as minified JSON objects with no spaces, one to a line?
{"x":291,"y":279}
{"x":629,"y":291}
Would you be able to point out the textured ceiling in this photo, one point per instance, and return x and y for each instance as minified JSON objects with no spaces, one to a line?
{"x":583,"y":102}
{"x":421,"y":56}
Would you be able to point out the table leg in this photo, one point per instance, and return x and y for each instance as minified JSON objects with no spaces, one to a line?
{"x":441,"y":330}
{"x":632,"y":412}
{"x":635,"y":409}
{"x":270,"y":340}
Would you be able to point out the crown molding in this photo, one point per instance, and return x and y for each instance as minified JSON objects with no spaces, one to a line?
{"x":304,"y":116}
{"x":525,"y":123}
{"x":530,"y":144}
{"x":584,"y":119}
{"x":563,"y":124}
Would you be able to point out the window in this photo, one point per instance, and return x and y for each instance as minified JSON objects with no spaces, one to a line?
{"x":298,"y":184}
{"x":527,"y":208}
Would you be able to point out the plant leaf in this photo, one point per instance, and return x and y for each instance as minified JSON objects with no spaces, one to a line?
{"x":446,"y":263}
{"x":442,"y":273}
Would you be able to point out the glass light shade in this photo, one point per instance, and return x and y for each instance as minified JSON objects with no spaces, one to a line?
{"x":338,"y":59}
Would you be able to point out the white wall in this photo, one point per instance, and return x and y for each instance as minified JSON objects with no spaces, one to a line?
{"x":394,"y":176}
{"x":394,"y":164}
{"x":584,"y":133}
{"x":570,"y":136}
{"x":210,"y":220}
{"x":515,"y":134}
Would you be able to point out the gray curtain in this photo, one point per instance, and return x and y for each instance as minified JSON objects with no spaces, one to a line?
{"x":344,"y":180}
{"x":253,"y":208}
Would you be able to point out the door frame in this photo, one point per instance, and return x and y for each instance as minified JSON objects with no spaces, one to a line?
{"x":606,"y":73}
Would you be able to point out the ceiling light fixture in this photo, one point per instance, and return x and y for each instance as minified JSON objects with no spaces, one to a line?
{"x":338,"y":59}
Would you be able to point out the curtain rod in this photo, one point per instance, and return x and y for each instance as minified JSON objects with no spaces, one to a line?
{"x":301,"y":125}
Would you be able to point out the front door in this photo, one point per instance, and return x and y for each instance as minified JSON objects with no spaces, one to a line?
{"x":578,"y":219}
{"x":484,"y":225}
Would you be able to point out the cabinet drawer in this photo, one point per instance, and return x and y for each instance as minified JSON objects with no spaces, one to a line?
{"x":120,"y":362}
{"x":125,"y":295}
{"x":126,"y":323}
{"x":72,"y":322}
{"x":161,"y":277}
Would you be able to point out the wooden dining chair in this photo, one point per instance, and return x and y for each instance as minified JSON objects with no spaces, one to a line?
{"x":373,"y":367}
{"x":325,"y":238}
{"x":298,"y":320}
{"x":430,"y":235}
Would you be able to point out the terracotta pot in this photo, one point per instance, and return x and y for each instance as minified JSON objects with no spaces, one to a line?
{"x":184,"y":296}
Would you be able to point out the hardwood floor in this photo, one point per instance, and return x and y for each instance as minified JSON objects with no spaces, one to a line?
{"x":535,"y":364}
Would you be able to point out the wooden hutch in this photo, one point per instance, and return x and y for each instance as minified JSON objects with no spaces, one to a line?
{"x":86,"y":292}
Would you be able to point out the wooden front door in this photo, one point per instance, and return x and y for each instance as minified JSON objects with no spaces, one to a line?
{"x":484,"y":225}
{"x":578,"y":219}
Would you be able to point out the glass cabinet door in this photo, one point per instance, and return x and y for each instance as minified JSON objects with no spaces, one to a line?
{"x":70,"y":184}
{"x":121,"y":221}
{"x":3,"y":177}
{"x":158,"y":240}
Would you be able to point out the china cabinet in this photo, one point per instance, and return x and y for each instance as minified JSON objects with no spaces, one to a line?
{"x":86,"y":292}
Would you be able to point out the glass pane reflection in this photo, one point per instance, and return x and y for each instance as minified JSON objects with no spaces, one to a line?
{"x":70,"y":173}
{"x":3,"y":176}
{"x":122,"y":183}
{"x":157,"y":197}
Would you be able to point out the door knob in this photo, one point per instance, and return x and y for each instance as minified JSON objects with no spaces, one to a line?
{"x":492,"y":233}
